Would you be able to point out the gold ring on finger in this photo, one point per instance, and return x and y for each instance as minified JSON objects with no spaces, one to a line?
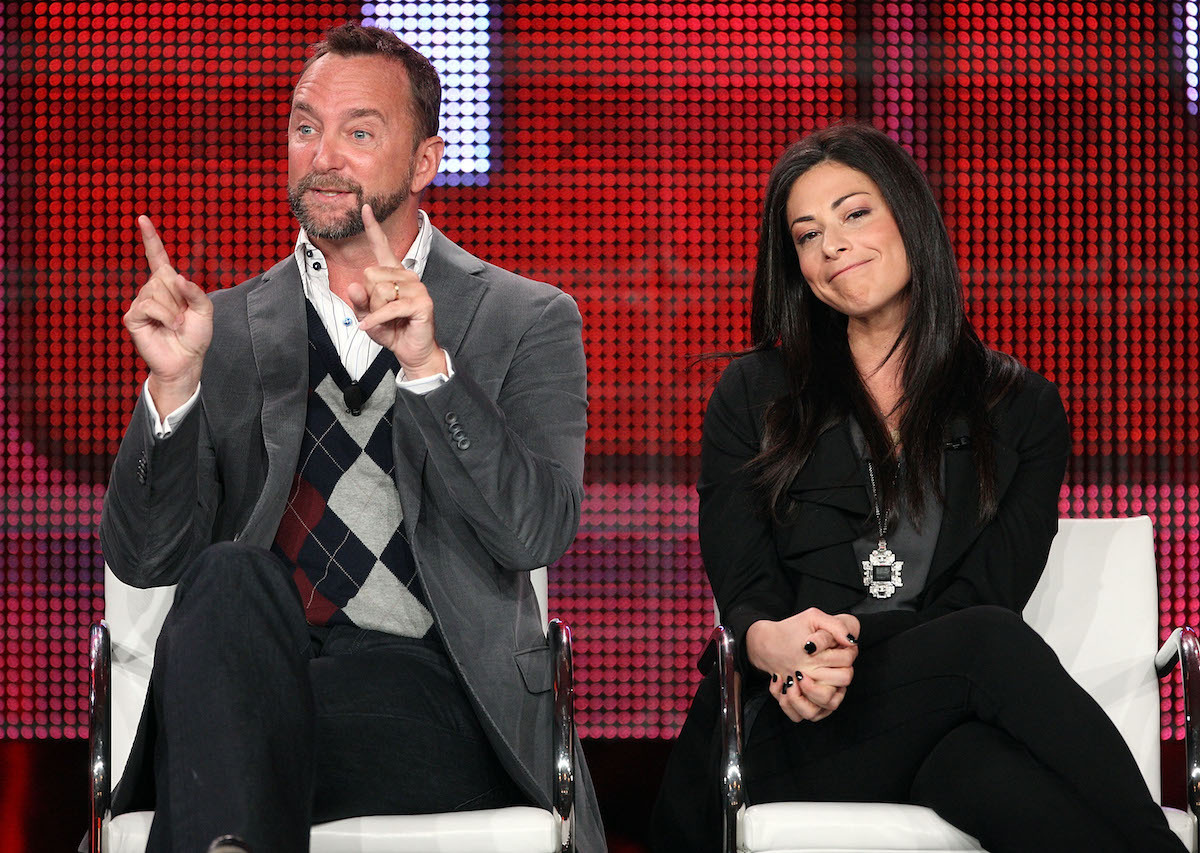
{"x":396,"y":290}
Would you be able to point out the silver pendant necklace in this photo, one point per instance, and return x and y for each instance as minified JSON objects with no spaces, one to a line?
{"x":881,"y":569}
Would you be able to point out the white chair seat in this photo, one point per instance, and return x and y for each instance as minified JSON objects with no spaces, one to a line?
{"x":873,"y":828}
{"x":842,"y":827}
{"x":1182,"y":824}
{"x":518,"y":829}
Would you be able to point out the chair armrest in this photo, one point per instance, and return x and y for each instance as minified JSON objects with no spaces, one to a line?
{"x":99,"y":733}
{"x":1183,"y":646}
{"x":563,"y":740}
{"x":733,"y":798}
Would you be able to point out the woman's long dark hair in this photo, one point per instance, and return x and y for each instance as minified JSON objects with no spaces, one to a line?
{"x":947,"y":371}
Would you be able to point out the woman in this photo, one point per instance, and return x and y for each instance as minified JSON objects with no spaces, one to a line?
{"x":878,"y":494}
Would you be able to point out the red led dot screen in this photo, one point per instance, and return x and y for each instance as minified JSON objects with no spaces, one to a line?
{"x":625,"y":153}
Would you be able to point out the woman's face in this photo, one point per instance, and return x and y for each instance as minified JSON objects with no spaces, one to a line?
{"x":850,"y":250}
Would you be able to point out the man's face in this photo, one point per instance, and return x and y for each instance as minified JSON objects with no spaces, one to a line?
{"x":350,"y":141}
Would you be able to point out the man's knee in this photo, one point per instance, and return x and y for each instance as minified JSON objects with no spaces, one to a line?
{"x":234,"y":575}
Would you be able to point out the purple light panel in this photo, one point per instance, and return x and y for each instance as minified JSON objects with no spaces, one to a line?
{"x":635,"y":141}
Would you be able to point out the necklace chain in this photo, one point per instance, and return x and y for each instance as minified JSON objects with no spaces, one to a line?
{"x":881,"y":518}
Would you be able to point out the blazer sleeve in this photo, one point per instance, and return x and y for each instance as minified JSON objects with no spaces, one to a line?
{"x":158,"y":510}
{"x":736,"y":536}
{"x":513,"y":465}
{"x":1004,"y":562}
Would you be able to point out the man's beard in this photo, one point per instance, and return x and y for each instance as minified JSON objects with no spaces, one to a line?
{"x":351,"y":223}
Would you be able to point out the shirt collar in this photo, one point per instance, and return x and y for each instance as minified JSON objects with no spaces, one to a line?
{"x":314,"y":273}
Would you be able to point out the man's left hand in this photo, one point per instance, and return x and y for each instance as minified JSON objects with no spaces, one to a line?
{"x":395,"y":309}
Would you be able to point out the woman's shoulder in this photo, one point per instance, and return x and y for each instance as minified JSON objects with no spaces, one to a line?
{"x":1029,"y":401}
{"x":1018,"y":385}
{"x":748,"y":385}
{"x":1030,"y":378}
{"x":759,"y":374}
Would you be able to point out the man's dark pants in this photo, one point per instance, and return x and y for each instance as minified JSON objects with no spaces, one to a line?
{"x":266,"y":725}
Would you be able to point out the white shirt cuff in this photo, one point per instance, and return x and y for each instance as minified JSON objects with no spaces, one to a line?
{"x":426,"y":383}
{"x":164,"y":427}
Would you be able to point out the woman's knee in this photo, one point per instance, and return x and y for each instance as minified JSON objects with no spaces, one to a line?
{"x":978,"y":777}
{"x":997,"y":643}
{"x":995,"y":627}
{"x":966,"y":757}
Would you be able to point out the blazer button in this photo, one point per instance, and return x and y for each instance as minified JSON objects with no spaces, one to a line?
{"x":451,"y":418}
{"x":463,"y":443}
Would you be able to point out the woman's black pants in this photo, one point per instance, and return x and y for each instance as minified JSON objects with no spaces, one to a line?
{"x":972,"y":715}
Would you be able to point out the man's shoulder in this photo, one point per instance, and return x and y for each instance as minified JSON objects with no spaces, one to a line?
{"x":238,"y":293}
{"x":446,"y":254}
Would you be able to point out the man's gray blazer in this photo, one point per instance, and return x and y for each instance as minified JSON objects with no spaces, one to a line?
{"x":478,"y":513}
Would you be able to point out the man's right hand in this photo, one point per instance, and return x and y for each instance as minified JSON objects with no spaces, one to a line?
{"x":170,"y":322}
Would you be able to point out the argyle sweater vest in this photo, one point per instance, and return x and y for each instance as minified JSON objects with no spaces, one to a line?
{"x":341,"y":531}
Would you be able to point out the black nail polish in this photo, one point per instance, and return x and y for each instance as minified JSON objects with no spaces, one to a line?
{"x":788,"y":683}
{"x":852,"y":638}
{"x":774,"y":677}
{"x":810,"y":647}
{"x":799,"y":677}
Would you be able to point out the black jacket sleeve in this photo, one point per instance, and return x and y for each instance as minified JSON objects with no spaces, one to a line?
{"x":736,"y":536}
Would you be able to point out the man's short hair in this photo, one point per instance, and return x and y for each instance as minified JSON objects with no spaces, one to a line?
{"x":350,"y":39}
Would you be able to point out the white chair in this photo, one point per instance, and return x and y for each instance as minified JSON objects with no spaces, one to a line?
{"x":122,"y":654}
{"x":1097,"y":607}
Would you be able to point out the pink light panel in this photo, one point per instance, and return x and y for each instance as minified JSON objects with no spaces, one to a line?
{"x":629,"y":146}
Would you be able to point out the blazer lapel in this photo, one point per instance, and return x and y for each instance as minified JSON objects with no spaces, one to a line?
{"x":279,"y":339}
{"x":832,"y":501}
{"x":960,"y":514}
{"x":452,"y":278}
{"x":838,"y":478}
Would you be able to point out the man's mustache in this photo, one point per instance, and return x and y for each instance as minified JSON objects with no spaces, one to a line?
{"x":336,"y":183}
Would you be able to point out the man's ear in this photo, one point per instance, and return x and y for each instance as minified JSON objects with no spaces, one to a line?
{"x":427,"y":158}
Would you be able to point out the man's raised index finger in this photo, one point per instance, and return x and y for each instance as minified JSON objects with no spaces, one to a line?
{"x":378,"y":240}
{"x":156,"y":253}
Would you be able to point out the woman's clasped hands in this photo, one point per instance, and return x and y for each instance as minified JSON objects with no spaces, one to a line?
{"x":810,"y":658}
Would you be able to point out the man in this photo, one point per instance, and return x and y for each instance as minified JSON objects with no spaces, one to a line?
{"x":349,"y":464}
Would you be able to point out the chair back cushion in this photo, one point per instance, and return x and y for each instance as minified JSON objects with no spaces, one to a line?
{"x":1097,"y":606}
{"x":134,"y":617}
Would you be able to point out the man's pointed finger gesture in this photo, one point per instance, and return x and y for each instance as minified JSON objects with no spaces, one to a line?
{"x":170,"y":322}
{"x":395,"y":309}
